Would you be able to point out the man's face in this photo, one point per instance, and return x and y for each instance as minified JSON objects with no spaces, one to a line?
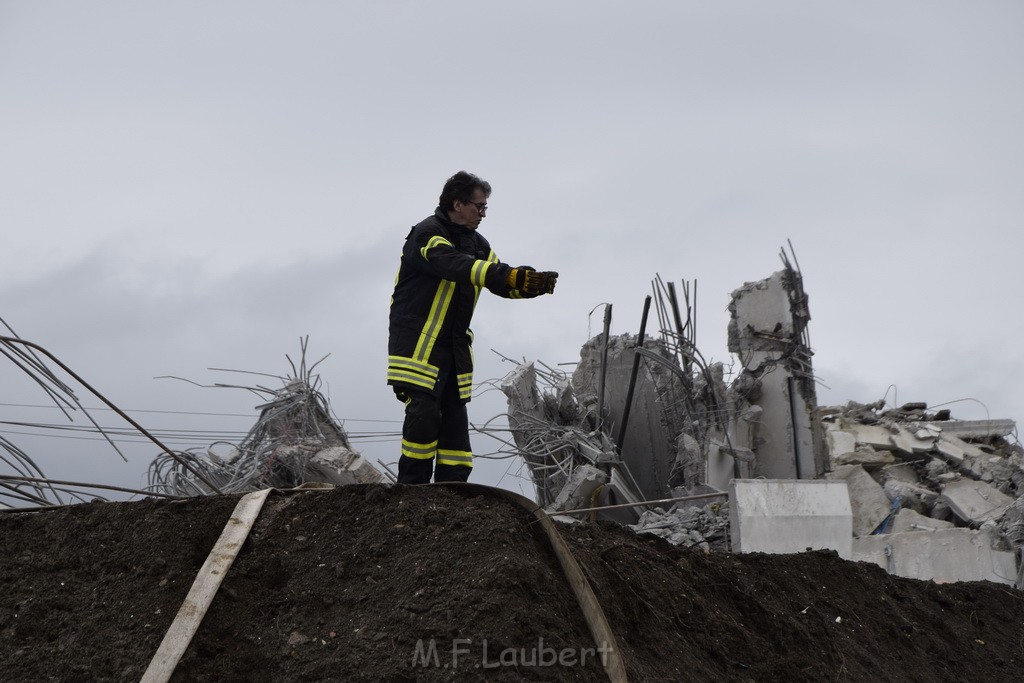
{"x":470,"y":213}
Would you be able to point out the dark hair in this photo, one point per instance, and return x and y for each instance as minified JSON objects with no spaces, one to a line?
{"x":461,"y":187}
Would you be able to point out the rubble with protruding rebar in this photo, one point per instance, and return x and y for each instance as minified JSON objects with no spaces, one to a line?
{"x":671,"y":437}
{"x":294,"y":442}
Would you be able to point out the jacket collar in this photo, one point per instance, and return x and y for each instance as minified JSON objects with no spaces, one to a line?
{"x":447,"y":222}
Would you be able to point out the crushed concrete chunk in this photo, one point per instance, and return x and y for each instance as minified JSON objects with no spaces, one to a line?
{"x":579,"y":490}
{"x":340,"y":466}
{"x":706,"y":528}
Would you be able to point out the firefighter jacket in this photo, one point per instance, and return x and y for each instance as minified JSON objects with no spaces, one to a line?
{"x":443,"y":268}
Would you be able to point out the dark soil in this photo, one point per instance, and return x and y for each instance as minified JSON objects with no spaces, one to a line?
{"x":356,"y":583}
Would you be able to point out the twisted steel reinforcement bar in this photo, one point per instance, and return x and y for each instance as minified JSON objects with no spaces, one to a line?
{"x":133,"y":423}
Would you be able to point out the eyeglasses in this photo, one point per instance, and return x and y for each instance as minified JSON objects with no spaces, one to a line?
{"x":481,"y":207}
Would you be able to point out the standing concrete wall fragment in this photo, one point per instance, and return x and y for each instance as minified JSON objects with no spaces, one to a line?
{"x":767,"y":331}
{"x":657,"y":414}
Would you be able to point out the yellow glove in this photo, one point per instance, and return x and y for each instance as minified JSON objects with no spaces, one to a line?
{"x":532,"y":282}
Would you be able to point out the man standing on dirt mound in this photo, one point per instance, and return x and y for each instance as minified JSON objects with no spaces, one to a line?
{"x":445,"y":262}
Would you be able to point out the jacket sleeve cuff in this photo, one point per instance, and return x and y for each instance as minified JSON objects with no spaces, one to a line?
{"x":495,"y":279}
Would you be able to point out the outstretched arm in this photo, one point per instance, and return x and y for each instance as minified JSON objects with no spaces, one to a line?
{"x":435,"y":254}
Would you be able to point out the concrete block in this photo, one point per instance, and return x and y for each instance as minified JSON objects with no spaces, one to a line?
{"x":764,"y":309}
{"x":907,"y":520}
{"x":975,"y":501}
{"x":943,"y":556}
{"x":840,"y":442}
{"x":868,"y":502}
{"x":865,"y":456}
{"x":875,"y":436}
{"x":790,"y":516}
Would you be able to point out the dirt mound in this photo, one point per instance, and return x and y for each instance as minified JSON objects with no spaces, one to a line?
{"x":433,"y":583}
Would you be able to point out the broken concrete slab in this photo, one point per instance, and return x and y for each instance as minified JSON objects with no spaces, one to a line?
{"x":976,"y":429}
{"x":876,"y":436}
{"x":775,"y":516}
{"x":943,"y":556}
{"x":908,"y":442}
{"x":907,"y":520}
{"x":975,"y":502}
{"x":950,"y":450}
{"x":839,"y":442}
{"x":865,"y":456}
{"x":868,"y":502}
{"x":968,"y":450}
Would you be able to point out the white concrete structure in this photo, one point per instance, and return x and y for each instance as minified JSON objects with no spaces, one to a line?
{"x":780,"y":516}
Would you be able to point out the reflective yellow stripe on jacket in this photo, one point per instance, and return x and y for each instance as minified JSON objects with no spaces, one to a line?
{"x":417,"y":370}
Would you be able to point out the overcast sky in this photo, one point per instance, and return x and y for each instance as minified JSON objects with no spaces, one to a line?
{"x":196,"y":185}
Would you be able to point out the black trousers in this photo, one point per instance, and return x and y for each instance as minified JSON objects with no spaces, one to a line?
{"x":435,"y":436}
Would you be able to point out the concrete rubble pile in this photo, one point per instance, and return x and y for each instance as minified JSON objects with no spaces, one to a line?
{"x":927,"y":490}
{"x":688,"y":526}
{"x":294,"y":442}
{"x":574,"y":463}
{"x":753,"y":464}
{"x":689,"y":432}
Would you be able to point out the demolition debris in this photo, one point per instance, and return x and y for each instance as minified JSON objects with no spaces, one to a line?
{"x":916,"y":492}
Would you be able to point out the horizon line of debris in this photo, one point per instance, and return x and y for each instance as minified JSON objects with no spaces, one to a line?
{"x":646,"y":418}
